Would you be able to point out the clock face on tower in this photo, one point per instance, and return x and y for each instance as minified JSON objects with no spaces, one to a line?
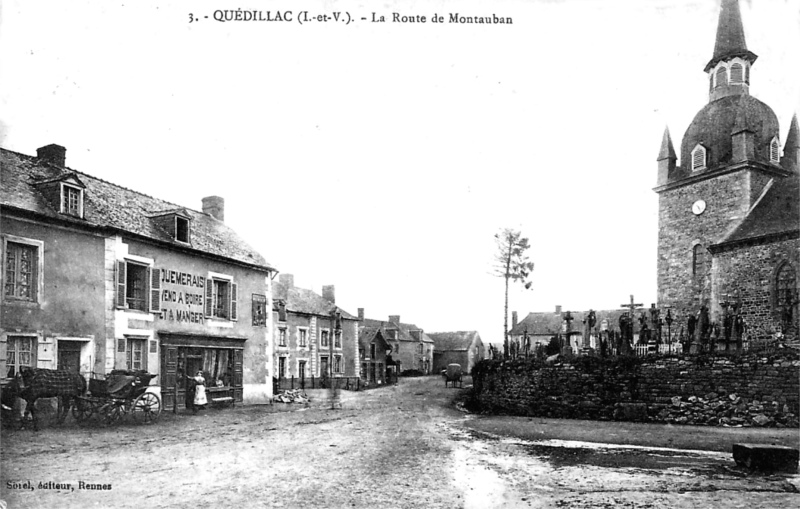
{"x":698,"y":207}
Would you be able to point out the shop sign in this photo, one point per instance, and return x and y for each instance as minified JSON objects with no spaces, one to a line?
{"x":182,"y":296}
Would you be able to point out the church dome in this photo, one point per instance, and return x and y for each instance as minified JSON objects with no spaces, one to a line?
{"x":714,"y":125}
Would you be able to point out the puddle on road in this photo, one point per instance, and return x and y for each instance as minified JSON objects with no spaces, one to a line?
{"x":483,"y":488}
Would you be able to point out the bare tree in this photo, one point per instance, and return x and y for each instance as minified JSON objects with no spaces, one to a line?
{"x":512,"y":264}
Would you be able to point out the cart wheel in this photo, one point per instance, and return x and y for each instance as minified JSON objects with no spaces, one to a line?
{"x":113,"y":413}
{"x":147,"y":408}
{"x":82,"y":410}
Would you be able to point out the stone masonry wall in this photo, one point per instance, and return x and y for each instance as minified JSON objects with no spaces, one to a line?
{"x":751,"y":389}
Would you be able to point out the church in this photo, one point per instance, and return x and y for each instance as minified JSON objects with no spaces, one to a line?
{"x":728,"y":213}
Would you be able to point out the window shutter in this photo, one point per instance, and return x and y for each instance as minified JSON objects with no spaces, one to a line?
{"x":121,"y":284}
{"x":234,"y":302}
{"x":155,"y":290}
{"x":209,"y":297}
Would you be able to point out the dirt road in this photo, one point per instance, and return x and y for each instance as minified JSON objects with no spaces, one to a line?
{"x":396,"y":447}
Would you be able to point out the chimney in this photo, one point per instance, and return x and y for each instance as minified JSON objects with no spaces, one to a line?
{"x":329,"y":293}
{"x":287,"y":280}
{"x":53,"y":154}
{"x":513,"y":319}
{"x":394,"y":318}
{"x":360,"y":314}
{"x":215,"y":207}
{"x":558,"y":310}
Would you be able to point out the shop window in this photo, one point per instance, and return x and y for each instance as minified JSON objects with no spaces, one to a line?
{"x":136,"y":354}
{"x":259,"y":310}
{"x":337,"y":339}
{"x":20,"y":353}
{"x":324,"y":338}
{"x":21,"y":277}
{"x":71,"y":200}
{"x":222,"y":298}
{"x":302,"y":339}
{"x":281,"y":337}
{"x":138,"y":285}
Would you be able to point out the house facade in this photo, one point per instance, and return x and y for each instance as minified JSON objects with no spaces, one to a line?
{"x":463,"y":347}
{"x":313,"y":337}
{"x":98,"y":277}
{"x":411,"y":347}
{"x":373,"y":351}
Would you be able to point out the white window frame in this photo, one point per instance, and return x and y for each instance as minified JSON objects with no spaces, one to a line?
{"x":338,"y":364}
{"x":62,"y":194}
{"x":35,"y":338}
{"x":129,"y":342}
{"x":151,"y":305}
{"x":38,"y":285}
{"x":775,"y":150}
{"x":323,"y":333}
{"x":302,"y":342}
{"x":282,"y":337}
{"x":697,"y":148}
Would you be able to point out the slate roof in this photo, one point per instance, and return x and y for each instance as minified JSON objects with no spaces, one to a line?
{"x":777,"y":212}
{"x":367,"y":335}
{"x":549,"y":323}
{"x":110,"y":206}
{"x":300,"y":300}
{"x":404,"y":329}
{"x":458,"y":341}
{"x":730,"y":35}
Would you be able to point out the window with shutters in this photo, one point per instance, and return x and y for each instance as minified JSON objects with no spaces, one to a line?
{"x":222,"y":299}
{"x":698,"y":158}
{"x":775,"y":151}
{"x":138,"y":285}
{"x":136,"y":356}
{"x":21,"y":269}
{"x":737,"y":73}
{"x":259,"y":310}
{"x":20,"y":353}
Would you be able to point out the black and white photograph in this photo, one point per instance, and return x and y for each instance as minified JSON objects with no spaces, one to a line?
{"x":402,"y":254}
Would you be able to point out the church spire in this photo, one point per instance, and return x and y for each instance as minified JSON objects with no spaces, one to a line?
{"x":667,"y":150}
{"x":666,"y":159}
{"x":730,"y":36}
{"x":791,"y":150}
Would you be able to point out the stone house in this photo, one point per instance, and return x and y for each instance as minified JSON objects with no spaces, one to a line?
{"x":729,"y":220}
{"x":313,"y":336}
{"x":372,"y":351}
{"x":99,"y":277}
{"x":463,"y":347}
{"x":411,"y":347}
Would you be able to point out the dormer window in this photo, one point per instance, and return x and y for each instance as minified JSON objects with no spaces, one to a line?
{"x":774,"y":151}
{"x":181,"y":229}
{"x":698,"y":158}
{"x":71,"y":200}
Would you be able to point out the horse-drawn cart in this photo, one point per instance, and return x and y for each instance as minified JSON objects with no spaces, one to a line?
{"x":121,"y":392}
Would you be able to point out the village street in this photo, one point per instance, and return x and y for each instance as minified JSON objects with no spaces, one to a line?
{"x":396,"y":447}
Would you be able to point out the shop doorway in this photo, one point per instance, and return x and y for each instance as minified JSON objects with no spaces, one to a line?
{"x":69,"y":356}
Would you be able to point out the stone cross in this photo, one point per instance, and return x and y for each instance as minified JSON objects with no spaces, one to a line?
{"x":632,"y":307}
{"x":567,"y":318}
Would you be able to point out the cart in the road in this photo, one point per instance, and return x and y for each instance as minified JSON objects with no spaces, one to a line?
{"x":119,"y":393}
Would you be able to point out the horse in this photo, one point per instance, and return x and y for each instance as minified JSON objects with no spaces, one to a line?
{"x":34,"y":383}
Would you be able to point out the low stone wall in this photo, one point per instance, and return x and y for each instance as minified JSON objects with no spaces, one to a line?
{"x":749,"y":389}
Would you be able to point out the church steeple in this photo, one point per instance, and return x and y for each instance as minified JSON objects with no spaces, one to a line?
{"x":666,"y":159}
{"x":791,"y":150}
{"x":729,"y":67}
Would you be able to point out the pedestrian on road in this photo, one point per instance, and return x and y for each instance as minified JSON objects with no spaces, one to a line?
{"x":200,"y":400}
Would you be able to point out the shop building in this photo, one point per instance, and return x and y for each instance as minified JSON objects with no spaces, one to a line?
{"x":99,"y":277}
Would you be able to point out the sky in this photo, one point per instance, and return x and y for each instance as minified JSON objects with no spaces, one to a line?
{"x":383,"y":157}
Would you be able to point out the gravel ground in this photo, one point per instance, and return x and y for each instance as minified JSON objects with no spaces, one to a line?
{"x":395,"y":447}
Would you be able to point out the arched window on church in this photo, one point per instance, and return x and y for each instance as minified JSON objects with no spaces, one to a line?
{"x":736,"y":73}
{"x":775,"y":151}
{"x":699,"y":255}
{"x":722,"y":76}
{"x":698,"y":158}
{"x":786,"y":294}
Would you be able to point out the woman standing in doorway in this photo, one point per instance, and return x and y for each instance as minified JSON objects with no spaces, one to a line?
{"x":200,"y":400}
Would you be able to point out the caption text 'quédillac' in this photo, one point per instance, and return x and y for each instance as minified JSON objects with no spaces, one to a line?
{"x":346,"y":18}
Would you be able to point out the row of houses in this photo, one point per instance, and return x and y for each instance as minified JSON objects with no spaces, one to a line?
{"x":98,"y":277}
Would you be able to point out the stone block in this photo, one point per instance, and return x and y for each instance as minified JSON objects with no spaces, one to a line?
{"x":767,"y":458}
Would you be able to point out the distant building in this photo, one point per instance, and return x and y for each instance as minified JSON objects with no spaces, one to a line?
{"x":729,"y":213}
{"x":98,"y":277}
{"x":411,"y":347}
{"x":463,"y":347}
{"x":313,"y":336}
{"x":373,"y":351}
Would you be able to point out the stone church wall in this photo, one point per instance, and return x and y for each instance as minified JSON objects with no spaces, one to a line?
{"x":748,"y":274}
{"x":750,"y":389}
